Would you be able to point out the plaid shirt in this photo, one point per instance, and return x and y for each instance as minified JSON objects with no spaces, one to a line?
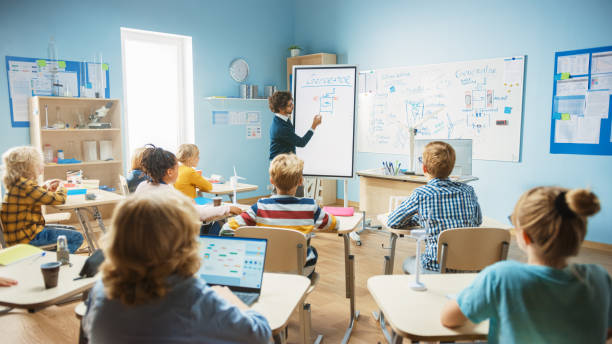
{"x":21,"y":213}
{"x":439,"y":205}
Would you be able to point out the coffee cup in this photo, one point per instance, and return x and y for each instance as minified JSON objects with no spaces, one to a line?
{"x":50,"y":272}
{"x":216,"y":201}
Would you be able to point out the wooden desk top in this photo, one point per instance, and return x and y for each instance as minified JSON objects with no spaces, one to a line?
{"x":280,"y":295}
{"x":416,"y":314}
{"x":79,"y":201}
{"x":486,"y":222}
{"x":378,"y":173}
{"x":226,"y":188}
{"x":30,"y":293}
{"x":347,"y":224}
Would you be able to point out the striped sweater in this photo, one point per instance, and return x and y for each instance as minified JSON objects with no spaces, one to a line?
{"x":282,"y":211}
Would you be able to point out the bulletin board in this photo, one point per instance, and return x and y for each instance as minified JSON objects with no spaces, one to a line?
{"x":580,"y":122}
{"x":28,"y":77}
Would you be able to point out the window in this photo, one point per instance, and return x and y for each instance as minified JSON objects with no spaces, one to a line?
{"x":158,"y":89}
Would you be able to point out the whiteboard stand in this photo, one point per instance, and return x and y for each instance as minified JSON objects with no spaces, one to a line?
{"x":365,"y":224}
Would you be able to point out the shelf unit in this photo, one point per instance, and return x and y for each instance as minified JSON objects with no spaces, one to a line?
{"x":72,"y":111}
{"x":304,"y":60}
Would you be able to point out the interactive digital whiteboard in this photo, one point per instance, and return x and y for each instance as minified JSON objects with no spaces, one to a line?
{"x":330,"y":91}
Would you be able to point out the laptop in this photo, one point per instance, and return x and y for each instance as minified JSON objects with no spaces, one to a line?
{"x":236,"y":263}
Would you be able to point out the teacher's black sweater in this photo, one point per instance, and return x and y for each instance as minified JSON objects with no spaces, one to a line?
{"x":283,"y":138}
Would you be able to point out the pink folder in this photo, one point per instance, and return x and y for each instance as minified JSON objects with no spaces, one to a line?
{"x":339,"y":211}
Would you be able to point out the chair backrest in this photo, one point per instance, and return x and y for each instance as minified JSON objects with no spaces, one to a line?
{"x":472,"y":249}
{"x":124,"y":185}
{"x":286,"y":250}
{"x":395,"y":201}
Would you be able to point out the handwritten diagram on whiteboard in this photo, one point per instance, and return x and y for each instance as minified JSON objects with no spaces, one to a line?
{"x":480,"y":100}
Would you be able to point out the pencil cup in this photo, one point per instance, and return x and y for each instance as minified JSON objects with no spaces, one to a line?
{"x":50,"y":272}
{"x":216,"y":201}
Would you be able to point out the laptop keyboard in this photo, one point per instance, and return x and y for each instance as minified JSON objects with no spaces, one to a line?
{"x":247,"y":298}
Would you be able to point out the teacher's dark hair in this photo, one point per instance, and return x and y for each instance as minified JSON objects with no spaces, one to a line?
{"x":156,"y":162}
{"x":279,"y":100}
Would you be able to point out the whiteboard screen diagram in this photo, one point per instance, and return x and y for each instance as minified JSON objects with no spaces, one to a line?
{"x":329,"y":91}
{"x":480,"y":100}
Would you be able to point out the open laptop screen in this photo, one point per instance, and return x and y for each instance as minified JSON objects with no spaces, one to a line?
{"x":232,"y":262}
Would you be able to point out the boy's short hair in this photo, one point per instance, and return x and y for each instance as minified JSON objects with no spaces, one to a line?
{"x":137,"y":158}
{"x":22,"y":161}
{"x":439,"y":159}
{"x":186,"y":152}
{"x":286,"y":171}
{"x":279,"y":100}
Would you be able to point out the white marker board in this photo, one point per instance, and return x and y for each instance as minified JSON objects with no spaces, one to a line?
{"x":331,"y":91}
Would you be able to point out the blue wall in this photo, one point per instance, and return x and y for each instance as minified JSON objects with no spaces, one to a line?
{"x":406,"y":33}
{"x":221,"y":31}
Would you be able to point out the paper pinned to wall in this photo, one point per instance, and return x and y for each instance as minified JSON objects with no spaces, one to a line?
{"x":601,"y":82}
{"x":572,"y":87}
{"x":220,"y":118}
{"x":573,"y":64}
{"x":597,"y":104}
{"x":601,"y":62}
{"x":253,"y":131}
{"x":513,"y":71}
{"x":253,"y":117}
{"x":237,"y":117}
{"x":577,"y":130}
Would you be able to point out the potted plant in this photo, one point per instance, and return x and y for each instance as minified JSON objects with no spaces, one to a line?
{"x":295,"y":50}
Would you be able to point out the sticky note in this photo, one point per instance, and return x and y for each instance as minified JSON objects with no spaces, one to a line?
{"x":507,"y":109}
{"x":556,"y":115}
{"x":88,"y":85}
{"x":61,"y":64}
{"x":104,"y":66}
{"x":565,"y":116}
{"x":565,"y":76}
{"x":392,"y":89}
{"x":41,"y":63}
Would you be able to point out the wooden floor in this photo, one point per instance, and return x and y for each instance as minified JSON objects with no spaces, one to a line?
{"x":330,"y":308}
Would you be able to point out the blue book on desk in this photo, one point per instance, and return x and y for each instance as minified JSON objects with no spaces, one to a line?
{"x":202,"y":200}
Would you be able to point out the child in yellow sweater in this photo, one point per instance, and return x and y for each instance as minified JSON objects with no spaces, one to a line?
{"x":188,"y":178}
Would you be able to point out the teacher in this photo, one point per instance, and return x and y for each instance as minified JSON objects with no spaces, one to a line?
{"x":283,"y":138}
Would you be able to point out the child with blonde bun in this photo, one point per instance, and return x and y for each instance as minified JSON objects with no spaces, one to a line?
{"x":149,"y":291}
{"x":188,"y":178}
{"x":547,"y":300}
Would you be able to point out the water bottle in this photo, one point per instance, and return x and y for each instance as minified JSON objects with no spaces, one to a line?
{"x":63,"y":255}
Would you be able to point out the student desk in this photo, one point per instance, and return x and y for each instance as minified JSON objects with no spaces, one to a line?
{"x":416,"y":314}
{"x":280,"y":295}
{"x":375,"y":188}
{"x":31,"y":294}
{"x":79,"y":204}
{"x":346,"y":225}
{"x":226,"y":189}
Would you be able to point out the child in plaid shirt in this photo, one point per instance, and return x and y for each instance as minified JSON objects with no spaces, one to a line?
{"x":284,"y":210}
{"x":21,"y":213}
{"x":439,"y":205}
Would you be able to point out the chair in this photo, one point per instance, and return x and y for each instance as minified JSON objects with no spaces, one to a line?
{"x":286,"y":253}
{"x":125,"y":190}
{"x":472,"y":249}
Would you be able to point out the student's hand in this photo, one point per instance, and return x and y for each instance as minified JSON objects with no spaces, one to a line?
{"x":235,"y":210}
{"x":51,"y":185}
{"x":316,"y":121}
{"x":7,"y":282}
{"x":227,"y":294}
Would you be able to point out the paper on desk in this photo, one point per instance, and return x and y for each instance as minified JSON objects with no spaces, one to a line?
{"x":597,"y":104}
{"x":18,"y":252}
{"x":572,"y":87}
{"x":601,"y":82}
{"x":578,"y":130}
{"x":573,"y":64}
{"x":601,"y":62}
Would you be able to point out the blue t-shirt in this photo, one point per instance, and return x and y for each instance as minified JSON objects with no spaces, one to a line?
{"x":539,"y":304}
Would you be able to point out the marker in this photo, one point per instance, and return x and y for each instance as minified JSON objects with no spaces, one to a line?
{"x":501,"y":122}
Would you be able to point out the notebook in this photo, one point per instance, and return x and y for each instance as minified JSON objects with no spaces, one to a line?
{"x":18,"y":252}
{"x":237,"y":263}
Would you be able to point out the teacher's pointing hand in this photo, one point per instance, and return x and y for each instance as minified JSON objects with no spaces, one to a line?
{"x":316,"y":121}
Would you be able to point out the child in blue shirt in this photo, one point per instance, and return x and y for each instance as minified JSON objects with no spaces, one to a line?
{"x":546,"y":300}
{"x":439,"y":205}
{"x":149,"y":292}
{"x":136,"y":175}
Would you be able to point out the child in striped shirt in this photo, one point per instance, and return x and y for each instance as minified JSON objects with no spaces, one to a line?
{"x":284,"y":210}
{"x":439,"y":205}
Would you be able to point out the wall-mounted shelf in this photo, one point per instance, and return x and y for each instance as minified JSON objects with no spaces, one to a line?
{"x":223,"y":102}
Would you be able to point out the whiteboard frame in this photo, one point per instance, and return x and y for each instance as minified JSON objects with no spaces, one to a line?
{"x":355,"y":93}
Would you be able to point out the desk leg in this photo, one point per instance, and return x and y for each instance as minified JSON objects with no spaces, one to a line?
{"x":98,"y":217}
{"x":280,"y":337}
{"x":397,"y":339}
{"x":390,"y":259}
{"x":83,"y":222}
{"x":349,"y":266}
